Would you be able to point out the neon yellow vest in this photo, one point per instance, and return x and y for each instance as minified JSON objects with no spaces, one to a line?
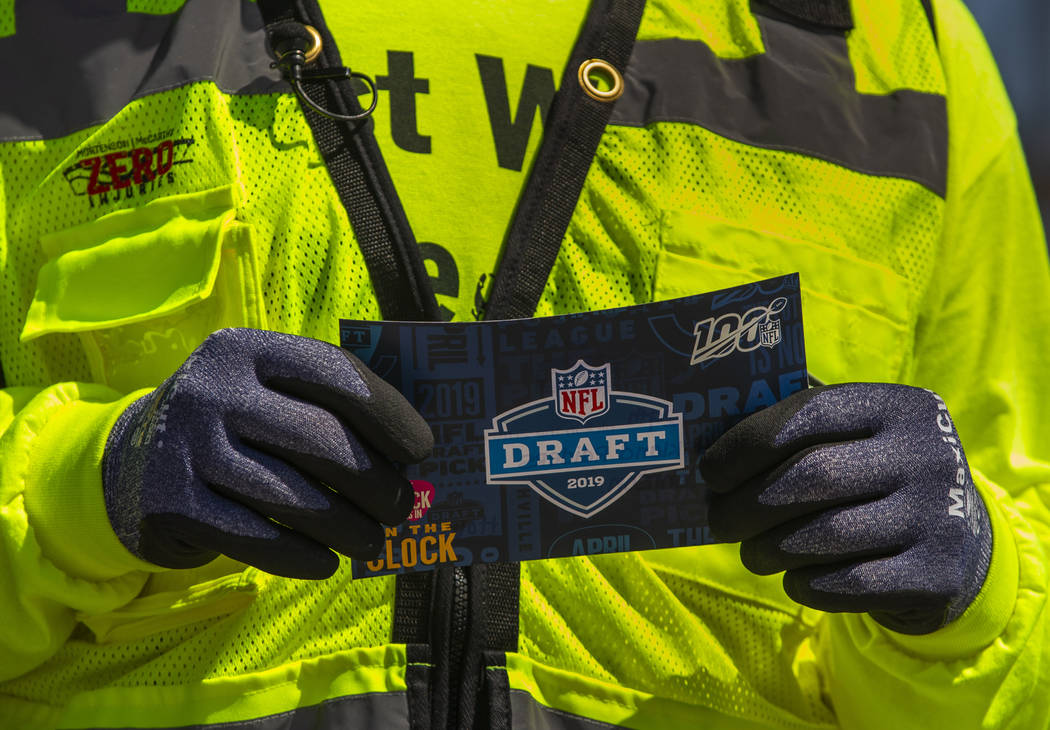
{"x":134,"y":226}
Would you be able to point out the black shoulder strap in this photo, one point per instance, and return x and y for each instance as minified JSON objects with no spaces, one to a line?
{"x":828,"y":14}
{"x":927,"y":5}
{"x":357,"y":169}
{"x":833,"y":14}
{"x":574,"y":129}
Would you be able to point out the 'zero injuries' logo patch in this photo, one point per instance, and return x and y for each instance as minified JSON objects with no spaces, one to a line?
{"x":125,"y":168}
{"x":586,"y":445}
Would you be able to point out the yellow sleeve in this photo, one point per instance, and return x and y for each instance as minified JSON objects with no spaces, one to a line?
{"x":58,"y":554}
{"x":983,"y":344}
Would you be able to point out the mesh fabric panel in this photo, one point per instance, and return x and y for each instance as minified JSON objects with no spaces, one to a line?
{"x":892,"y":47}
{"x":7,"y":18}
{"x":29,"y":213}
{"x":312,"y":271}
{"x":702,"y":644}
{"x":154,"y":7}
{"x":727,"y":26}
{"x":315,"y":618}
{"x":614,"y":237}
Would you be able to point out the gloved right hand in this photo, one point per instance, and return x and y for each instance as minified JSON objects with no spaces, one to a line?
{"x":270,"y":448}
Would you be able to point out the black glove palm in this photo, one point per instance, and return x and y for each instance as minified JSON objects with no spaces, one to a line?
{"x":268,"y":448}
{"x":862,"y":494}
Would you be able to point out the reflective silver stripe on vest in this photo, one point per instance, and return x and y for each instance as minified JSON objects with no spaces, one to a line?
{"x":528,"y":713}
{"x":71,"y":65}
{"x":378,"y":710}
{"x":799,"y":96}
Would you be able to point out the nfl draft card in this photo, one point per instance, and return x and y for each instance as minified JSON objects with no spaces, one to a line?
{"x":577,"y":434}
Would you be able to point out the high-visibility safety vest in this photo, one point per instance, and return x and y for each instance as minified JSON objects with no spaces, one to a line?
{"x":161,"y":179}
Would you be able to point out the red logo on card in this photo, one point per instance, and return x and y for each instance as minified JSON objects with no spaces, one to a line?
{"x":424,"y":498}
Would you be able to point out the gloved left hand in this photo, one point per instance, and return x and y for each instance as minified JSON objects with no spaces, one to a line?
{"x":862,"y":494}
{"x":270,"y":448}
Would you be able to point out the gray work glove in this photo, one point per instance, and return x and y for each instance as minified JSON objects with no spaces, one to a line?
{"x":269,"y":448}
{"x":862,"y":494}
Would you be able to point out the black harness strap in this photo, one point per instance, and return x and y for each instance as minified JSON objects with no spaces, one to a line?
{"x":359,"y":173}
{"x":828,"y":14}
{"x":927,"y":5}
{"x":574,"y":128}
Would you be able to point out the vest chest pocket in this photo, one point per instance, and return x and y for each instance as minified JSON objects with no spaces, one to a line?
{"x":858,"y":315}
{"x":143,"y":287}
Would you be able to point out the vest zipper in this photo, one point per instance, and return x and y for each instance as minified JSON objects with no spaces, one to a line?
{"x":467,"y":615}
{"x":459,"y":623}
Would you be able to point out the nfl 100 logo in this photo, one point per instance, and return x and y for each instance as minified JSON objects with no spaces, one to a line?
{"x":586,"y":445}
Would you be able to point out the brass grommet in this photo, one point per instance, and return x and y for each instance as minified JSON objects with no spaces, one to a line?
{"x":602,"y":68}
{"x":315,"y":49}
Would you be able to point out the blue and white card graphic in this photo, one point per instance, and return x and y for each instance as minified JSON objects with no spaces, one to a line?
{"x":583,"y":470}
{"x":579,"y":434}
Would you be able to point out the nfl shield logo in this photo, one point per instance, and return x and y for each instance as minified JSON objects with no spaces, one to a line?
{"x":771,"y":333}
{"x":581,"y":392}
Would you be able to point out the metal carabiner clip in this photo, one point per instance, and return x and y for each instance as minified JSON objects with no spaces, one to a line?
{"x":292,"y":65}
